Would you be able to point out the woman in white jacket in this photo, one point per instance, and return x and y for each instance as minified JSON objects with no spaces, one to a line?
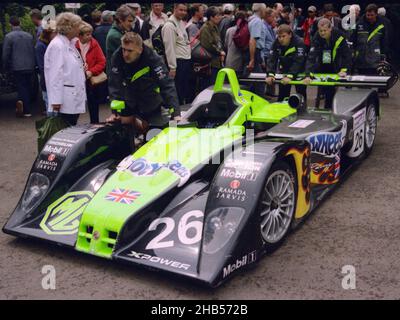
{"x":64,"y":70}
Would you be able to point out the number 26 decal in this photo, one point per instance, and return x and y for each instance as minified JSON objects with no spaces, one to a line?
{"x":183,"y":227}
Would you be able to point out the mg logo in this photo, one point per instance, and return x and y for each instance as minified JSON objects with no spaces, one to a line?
{"x":62,"y":217}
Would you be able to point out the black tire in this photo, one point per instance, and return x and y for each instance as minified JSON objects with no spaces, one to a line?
{"x":278,"y":214}
{"x":371,"y":125}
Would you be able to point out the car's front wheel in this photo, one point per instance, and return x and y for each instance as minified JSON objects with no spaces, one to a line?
{"x":277,"y":205}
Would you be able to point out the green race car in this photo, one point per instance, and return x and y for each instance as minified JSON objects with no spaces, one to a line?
{"x":205,"y":197}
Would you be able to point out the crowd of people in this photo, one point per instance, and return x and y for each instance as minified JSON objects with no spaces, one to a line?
{"x":162,"y":60}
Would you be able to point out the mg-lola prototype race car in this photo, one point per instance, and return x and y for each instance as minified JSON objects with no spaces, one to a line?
{"x":204,"y":198}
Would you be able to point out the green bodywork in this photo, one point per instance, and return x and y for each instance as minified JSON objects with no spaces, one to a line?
{"x":102,"y":219}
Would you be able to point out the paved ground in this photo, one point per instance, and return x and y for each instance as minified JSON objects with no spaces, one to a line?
{"x":358,"y":225}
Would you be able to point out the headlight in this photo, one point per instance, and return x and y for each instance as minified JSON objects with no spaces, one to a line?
{"x":220,"y":225}
{"x":37,"y":186}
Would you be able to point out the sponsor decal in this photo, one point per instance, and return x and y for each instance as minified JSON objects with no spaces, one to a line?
{"x":49,"y":164}
{"x":61,"y":144}
{"x":326,"y":171}
{"x":62,"y":217}
{"x":159,"y":260}
{"x":232,"y":194}
{"x":328,"y":143}
{"x":243,"y":165}
{"x":122,"y":196}
{"x":301,"y":123}
{"x":59,"y":150}
{"x":359,"y":119}
{"x":64,"y":140}
{"x":141,"y":167}
{"x":51,"y":157}
{"x":240,"y":95}
{"x":160,"y":73}
{"x":236,"y":174}
{"x":235,"y":184}
{"x":245,"y":260}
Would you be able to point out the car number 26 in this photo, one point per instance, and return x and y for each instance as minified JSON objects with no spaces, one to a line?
{"x":184,"y":236}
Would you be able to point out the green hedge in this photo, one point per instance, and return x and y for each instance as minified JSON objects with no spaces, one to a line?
{"x":26,"y":25}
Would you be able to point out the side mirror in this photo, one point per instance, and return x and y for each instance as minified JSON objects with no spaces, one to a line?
{"x":117,"y":105}
{"x":296,"y":101}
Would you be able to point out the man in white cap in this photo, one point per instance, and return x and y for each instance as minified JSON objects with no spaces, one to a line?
{"x":138,"y":12}
{"x":156,"y":19}
{"x":312,"y":12}
{"x":387,"y":22}
{"x":227,"y":21}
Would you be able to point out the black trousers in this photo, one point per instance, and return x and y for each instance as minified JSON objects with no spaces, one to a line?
{"x":23,"y":81}
{"x":183,"y":81}
{"x":329,"y":93}
{"x":71,"y":119}
{"x":208,"y":80}
{"x":94,"y":97}
{"x":284,"y":91}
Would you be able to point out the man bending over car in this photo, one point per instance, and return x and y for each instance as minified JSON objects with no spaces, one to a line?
{"x":140,"y":78}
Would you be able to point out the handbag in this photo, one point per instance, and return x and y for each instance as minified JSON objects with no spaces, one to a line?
{"x":199,"y":53}
{"x":47,"y":127}
{"x":99,"y":79}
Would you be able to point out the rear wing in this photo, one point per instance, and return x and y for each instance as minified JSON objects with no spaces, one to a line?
{"x":319,"y":79}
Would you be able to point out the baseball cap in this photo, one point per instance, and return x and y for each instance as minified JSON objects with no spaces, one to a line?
{"x":228,"y":7}
{"x":133,"y":5}
{"x":107,"y":13}
{"x":312,"y":8}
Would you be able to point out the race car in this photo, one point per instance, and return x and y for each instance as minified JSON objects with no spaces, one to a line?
{"x":204,"y":198}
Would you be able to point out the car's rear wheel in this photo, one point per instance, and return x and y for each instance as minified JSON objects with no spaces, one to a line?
{"x":371,"y":125}
{"x":277,"y":205}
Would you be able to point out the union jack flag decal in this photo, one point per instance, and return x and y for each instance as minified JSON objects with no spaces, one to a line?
{"x":122,"y":196}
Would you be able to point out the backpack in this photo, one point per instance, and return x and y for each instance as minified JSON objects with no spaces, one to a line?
{"x":157,"y":40}
{"x":241,"y":37}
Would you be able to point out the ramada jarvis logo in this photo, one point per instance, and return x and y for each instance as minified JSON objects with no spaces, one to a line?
{"x":51,"y":157}
{"x":232,"y":193}
{"x":62,"y":217}
{"x":245,"y":260}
